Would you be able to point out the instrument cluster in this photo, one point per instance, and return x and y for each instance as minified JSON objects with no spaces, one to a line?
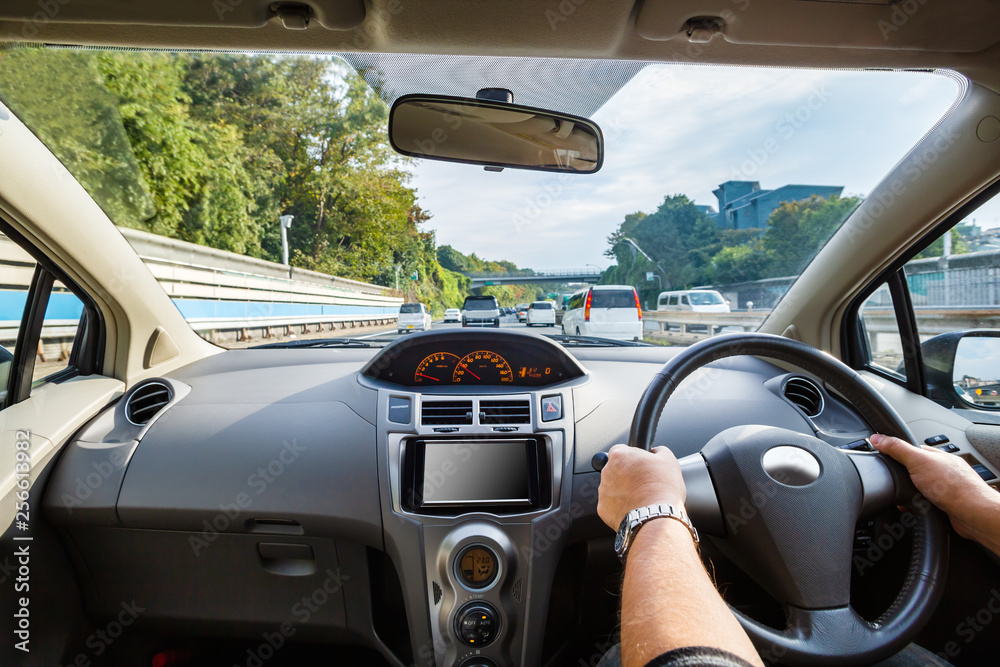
{"x":473,"y":358}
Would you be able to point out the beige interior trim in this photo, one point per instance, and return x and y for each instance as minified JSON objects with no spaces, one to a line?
{"x":929,"y":35}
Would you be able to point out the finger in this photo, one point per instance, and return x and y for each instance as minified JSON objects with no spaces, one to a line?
{"x":898,"y":449}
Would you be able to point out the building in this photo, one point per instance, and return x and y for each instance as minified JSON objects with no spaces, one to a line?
{"x":743,"y":205}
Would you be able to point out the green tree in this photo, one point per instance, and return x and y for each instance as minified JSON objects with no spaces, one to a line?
{"x":797,"y":230}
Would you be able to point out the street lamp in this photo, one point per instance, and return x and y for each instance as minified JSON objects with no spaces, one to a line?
{"x":286,"y":222}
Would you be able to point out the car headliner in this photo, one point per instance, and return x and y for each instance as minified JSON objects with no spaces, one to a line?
{"x":960,"y":35}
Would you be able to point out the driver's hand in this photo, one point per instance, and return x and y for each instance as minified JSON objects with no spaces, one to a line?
{"x":946,"y":480}
{"x":635,"y":478}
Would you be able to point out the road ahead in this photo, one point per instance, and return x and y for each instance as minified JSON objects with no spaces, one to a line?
{"x":507,"y":322}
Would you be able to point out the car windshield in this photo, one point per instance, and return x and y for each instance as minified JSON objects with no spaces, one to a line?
{"x":480,"y":304}
{"x":705,"y":299}
{"x":262,"y":191}
{"x":409,"y":308}
{"x":543,"y":305}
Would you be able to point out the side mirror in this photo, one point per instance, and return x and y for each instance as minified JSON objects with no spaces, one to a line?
{"x":963,"y":368}
{"x":494,"y":134}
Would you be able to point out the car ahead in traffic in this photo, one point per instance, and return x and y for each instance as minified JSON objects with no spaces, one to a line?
{"x":480,"y":311}
{"x":541,"y":313}
{"x":521,"y":310}
{"x":604,"y":311}
{"x":413,"y":317}
{"x":693,"y":301}
{"x":453,"y":315}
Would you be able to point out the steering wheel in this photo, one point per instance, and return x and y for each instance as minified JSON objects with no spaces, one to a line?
{"x":784,"y":506}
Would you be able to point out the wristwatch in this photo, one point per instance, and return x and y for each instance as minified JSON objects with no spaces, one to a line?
{"x":633,"y":521}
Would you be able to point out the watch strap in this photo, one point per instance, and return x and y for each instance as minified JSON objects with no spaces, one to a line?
{"x":637,"y":517}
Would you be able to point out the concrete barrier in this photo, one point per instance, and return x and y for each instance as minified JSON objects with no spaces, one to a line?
{"x":225,"y":297}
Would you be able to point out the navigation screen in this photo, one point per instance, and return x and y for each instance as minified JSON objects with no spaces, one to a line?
{"x":476,"y":472}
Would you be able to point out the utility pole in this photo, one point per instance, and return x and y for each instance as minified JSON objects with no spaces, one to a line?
{"x":286,"y":222}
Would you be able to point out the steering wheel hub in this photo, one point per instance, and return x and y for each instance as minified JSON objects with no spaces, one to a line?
{"x":791,"y":465}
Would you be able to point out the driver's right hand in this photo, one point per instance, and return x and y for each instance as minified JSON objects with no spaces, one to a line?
{"x":636,"y":478}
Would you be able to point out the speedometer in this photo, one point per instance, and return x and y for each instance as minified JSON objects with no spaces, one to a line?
{"x":482,"y":367}
{"x":435,"y":368}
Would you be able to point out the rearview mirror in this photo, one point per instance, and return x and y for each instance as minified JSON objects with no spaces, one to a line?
{"x":494,"y":134}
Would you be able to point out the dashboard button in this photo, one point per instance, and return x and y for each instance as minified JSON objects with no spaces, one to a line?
{"x":984,"y":472}
{"x":477,"y":624}
{"x":399,"y":410}
{"x":936,"y":440}
{"x":551,"y":408}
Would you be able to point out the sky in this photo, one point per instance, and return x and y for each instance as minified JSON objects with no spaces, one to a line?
{"x":684,"y":129}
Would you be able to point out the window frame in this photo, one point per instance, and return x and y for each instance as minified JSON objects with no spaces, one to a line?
{"x":854,"y":343}
{"x":87,"y":355}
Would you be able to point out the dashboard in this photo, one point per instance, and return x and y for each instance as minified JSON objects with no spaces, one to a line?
{"x":473,"y":358}
{"x":446,"y":474}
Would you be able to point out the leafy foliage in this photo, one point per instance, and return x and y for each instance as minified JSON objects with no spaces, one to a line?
{"x":687,"y":250}
{"x":213,"y":148}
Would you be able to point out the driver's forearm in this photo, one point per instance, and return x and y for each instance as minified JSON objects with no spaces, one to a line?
{"x":669,"y":602}
{"x":984,"y":524}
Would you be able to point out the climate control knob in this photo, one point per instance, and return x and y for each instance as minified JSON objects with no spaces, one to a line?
{"x":477,"y":624}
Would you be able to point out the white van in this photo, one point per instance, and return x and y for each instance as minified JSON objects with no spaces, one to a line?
{"x":541,"y":313}
{"x":605,"y":311}
{"x":692,"y":300}
{"x":413,"y":317}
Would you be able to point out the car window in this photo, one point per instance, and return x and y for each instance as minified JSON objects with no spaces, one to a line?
{"x":607,"y":298}
{"x":954,"y":286}
{"x":881,"y":330}
{"x":480,"y":304}
{"x":51,"y":352}
{"x":408,"y":308}
{"x":705,"y":299}
{"x":59,"y":329}
{"x":684,"y":300}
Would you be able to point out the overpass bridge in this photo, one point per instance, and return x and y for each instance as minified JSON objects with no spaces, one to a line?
{"x":587,"y":275}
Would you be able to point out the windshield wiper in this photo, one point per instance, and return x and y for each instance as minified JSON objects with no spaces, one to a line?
{"x":592,"y":341}
{"x":322,"y":342}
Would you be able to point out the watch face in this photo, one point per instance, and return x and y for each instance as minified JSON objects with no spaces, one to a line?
{"x":620,"y":536}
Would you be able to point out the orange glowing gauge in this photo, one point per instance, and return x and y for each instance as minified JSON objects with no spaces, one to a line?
{"x":482,"y":367}
{"x":436,"y":368}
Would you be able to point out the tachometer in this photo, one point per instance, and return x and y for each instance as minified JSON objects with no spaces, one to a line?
{"x":435,"y":368}
{"x":482,"y":367}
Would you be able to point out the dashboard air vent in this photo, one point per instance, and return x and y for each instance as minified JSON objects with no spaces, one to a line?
{"x":805,"y":394}
{"x":504,"y":412}
{"x":146,"y":401}
{"x":446,"y":413}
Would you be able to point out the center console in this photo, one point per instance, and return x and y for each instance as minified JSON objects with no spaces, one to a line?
{"x":474,"y":517}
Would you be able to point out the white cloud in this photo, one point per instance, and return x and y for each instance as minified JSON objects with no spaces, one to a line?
{"x":681,"y":129}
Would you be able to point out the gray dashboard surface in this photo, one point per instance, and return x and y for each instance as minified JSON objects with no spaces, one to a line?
{"x":282,"y":435}
{"x":727,"y":393}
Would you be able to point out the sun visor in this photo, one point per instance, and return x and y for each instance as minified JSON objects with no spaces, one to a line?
{"x":964,"y":27}
{"x":331,"y":14}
